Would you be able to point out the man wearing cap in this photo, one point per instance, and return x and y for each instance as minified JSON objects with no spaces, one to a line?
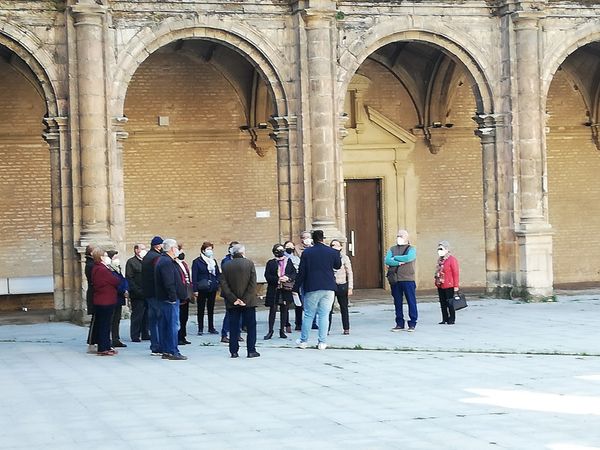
{"x":148,"y":264}
{"x":400,"y":259}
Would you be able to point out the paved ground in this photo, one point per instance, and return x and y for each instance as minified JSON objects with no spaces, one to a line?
{"x":507,"y":375}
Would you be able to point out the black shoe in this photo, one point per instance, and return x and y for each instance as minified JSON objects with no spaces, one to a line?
{"x":200,"y":332}
{"x":224,"y":339}
{"x":136,"y":340}
{"x":268,"y":336}
{"x":182,"y":342}
{"x":178,"y":357}
{"x":450,"y":323}
{"x":119,"y":344}
{"x":288,"y":329}
{"x":298,"y":328}
{"x":145,"y":338}
{"x":443,"y":322}
{"x":213,"y":331}
{"x":282,"y":335}
{"x":240,"y":339}
{"x":235,"y":355}
{"x":253,"y":355}
{"x":315,"y":327}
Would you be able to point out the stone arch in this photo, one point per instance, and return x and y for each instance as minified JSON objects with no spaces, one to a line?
{"x":240,"y":38}
{"x":30,"y":49}
{"x":565,"y":47}
{"x":360,"y":49}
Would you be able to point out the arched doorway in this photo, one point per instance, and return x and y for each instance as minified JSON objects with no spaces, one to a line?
{"x":26,"y":277}
{"x":573,"y":159}
{"x":411,"y":106}
{"x":199,"y":163}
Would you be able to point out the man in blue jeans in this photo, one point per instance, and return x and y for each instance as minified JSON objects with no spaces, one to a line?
{"x":400,"y":259}
{"x":170,"y":289}
{"x":316,"y":278}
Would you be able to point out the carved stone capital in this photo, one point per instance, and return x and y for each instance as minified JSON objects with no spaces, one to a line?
{"x":54,"y":127}
{"x":88,"y":12}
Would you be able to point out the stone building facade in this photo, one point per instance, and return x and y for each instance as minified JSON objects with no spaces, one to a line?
{"x":471,"y":121}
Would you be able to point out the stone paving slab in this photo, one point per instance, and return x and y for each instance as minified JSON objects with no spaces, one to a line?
{"x":507,"y":375}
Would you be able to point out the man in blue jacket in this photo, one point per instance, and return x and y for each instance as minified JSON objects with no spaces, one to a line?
{"x":170,"y":289}
{"x":315,"y":276}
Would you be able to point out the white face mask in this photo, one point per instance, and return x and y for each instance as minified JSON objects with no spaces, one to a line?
{"x":442,"y":253}
{"x":106,"y":260}
{"x":307,"y":242}
{"x":209,"y":252}
{"x":143,"y":253}
{"x":400,"y":241}
{"x":116,"y":262}
{"x":176,"y":252}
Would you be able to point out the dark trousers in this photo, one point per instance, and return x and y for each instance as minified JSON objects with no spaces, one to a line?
{"x":249,"y":317}
{"x":206,"y":299}
{"x":184,"y":313}
{"x":448,"y":313}
{"x":103,"y":317}
{"x":116,"y":322}
{"x":405,"y":289}
{"x":283,"y":316}
{"x":342,"y":297}
{"x":139,"y":319}
{"x":93,"y":333}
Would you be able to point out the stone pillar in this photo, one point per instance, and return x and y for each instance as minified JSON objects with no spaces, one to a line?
{"x":486,"y":132}
{"x":89,"y":26}
{"x":533,"y":232}
{"x":319,"y":20}
{"x":117,"y":189}
{"x":281,"y":136}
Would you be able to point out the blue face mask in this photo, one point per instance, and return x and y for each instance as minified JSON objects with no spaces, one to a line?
{"x":209,"y":252}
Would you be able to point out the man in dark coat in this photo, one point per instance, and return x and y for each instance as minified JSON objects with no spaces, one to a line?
{"x":139,"y":312}
{"x":169,"y":289}
{"x":238,"y":286}
{"x":148,"y":263}
{"x":316,"y":277}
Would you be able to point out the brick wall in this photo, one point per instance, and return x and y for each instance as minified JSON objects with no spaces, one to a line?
{"x":574,"y":185}
{"x":25,"y":220}
{"x":197,"y":179}
{"x":449,"y":200}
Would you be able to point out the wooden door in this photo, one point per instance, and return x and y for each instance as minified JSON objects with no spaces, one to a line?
{"x":363,"y":225}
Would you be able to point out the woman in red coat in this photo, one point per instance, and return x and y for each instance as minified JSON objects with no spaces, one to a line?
{"x":105,"y":299}
{"x":446,"y":280}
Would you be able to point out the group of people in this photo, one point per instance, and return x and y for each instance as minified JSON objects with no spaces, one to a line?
{"x":160,"y":286}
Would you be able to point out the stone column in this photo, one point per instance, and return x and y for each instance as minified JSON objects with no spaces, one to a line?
{"x":533,"y":232}
{"x":319,"y":20}
{"x":281,"y":136}
{"x":89,"y":26}
{"x":486,"y":132}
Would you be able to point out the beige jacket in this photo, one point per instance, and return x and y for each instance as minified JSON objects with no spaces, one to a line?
{"x":344,"y":274}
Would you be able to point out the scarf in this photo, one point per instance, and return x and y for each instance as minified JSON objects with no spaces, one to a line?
{"x":439,"y":271}
{"x":210,"y":263}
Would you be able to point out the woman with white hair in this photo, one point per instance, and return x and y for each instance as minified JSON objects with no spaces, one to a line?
{"x":446,"y":280}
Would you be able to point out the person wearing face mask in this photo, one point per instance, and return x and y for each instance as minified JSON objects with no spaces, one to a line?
{"x":280,"y":274}
{"x":105,"y":299}
{"x":446,"y":280}
{"x":184,"y":304}
{"x":290,"y":253}
{"x":122,"y":295}
{"x":205,"y":283}
{"x":138,"y":330}
{"x":344,"y":281}
{"x":170,"y":288}
{"x":305,"y":242}
{"x":401,"y":275}
{"x":225,"y":327}
{"x":148,"y":265}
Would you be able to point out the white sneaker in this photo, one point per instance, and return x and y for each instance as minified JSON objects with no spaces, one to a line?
{"x":301,"y":344}
{"x":92,"y":348}
{"x":322,"y":346}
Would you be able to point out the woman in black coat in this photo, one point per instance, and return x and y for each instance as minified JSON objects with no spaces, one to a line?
{"x":280,"y":274}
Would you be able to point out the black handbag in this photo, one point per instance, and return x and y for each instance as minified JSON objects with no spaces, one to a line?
{"x":458,"y":302}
